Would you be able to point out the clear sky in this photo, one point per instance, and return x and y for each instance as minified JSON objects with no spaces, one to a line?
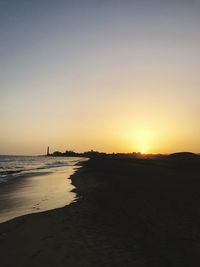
{"x":114,"y":75}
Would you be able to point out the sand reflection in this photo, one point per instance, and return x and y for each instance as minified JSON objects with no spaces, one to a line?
{"x":37,"y":193}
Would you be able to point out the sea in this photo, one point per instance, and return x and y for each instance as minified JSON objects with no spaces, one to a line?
{"x":32,"y":184}
{"x":13,"y":167}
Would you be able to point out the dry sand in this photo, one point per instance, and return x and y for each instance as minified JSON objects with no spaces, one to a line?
{"x":129,"y":213}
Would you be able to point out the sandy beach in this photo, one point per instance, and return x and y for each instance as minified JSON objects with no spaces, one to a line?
{"x":100,"y":133}
{"x":129,"y":213}
{"x":36,"y":193}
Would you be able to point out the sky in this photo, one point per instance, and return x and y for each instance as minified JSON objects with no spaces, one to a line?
{"x":114,"y":76}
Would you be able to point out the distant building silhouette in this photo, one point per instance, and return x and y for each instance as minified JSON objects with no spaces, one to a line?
{"x":48,"y":151}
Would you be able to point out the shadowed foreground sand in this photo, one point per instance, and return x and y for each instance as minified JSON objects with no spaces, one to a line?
{"x":130,"y":213}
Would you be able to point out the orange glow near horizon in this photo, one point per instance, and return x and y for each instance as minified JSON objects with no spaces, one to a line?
{"x":104,"y":76}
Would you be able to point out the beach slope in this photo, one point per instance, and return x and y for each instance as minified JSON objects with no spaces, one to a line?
{"x":129,"y":213}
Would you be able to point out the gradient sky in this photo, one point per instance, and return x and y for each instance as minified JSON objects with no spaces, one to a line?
{"x":109,"y":75}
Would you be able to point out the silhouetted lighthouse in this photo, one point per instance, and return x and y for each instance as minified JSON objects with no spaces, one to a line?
{"x":48,"y":151}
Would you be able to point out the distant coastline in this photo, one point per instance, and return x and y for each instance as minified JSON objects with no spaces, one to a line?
{"x":135,"y":155}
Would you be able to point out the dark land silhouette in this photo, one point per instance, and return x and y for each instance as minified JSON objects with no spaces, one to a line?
{"x":133,"y":155}
{"x":130,"y":212}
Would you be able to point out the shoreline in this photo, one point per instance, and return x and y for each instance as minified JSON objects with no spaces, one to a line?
{"x":36,"y":192}
{"x":127,"y":214}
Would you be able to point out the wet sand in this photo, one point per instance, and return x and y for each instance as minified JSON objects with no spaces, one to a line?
{"x":129,"y":213}
{"x":36,"y":193}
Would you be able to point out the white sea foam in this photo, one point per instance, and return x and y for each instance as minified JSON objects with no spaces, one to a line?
{"x":17,"y":166}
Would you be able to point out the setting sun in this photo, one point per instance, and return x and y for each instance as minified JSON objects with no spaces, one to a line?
{"x":132,"y":84}
{"x":143,"y":151}
{"x":100,"y":123}
{"x":141,"y":140}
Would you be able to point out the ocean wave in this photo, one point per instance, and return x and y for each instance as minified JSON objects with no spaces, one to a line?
{"x":57,"y":164}
{"x":6,"y":178}
{"x":52,"y":165}
{"x":4,"y":173}
{"x":17,"y":166}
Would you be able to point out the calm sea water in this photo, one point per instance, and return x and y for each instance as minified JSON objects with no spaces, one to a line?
{"x":16,"y":166}
{"x":45,"y":184}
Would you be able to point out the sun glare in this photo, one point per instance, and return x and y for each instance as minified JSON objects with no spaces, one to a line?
{"x":143,"y":151}
{"x":141,"y":140}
